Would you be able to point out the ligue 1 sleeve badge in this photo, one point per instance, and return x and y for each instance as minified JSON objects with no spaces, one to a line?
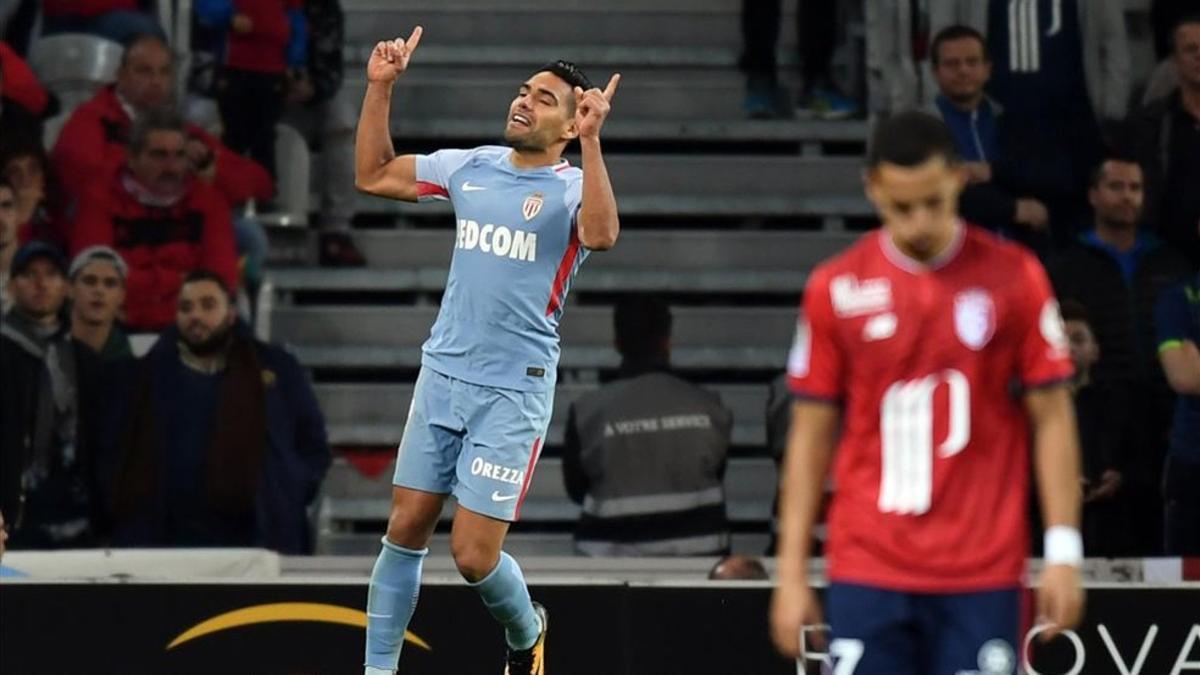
{"x":974,"y":318}
{"x":532,"y":206}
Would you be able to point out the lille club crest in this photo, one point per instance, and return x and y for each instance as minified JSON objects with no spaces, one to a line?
{"x":974,"y":318}
{"x":532,"y":206}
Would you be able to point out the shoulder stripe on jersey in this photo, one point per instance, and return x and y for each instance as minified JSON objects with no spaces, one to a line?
{"x":533,"y":458}
{"x":564,"y":273}
{"x":427,"y":189}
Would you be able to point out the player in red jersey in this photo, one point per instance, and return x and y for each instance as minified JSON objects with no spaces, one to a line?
{"x":929,"y":353}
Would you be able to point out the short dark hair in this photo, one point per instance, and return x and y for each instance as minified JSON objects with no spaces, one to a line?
{"x":568,"y":72}
{"x":1184,"y":19}
{"x":1073,"y":310}
{"x":1097,"y":173}
{"x":138,"y":39}
{"x":157,"y":119}
{"x":955,"y":32}
{"x":202,"y":274}
{"x":643,"y":325}
{"x":910,"y":138}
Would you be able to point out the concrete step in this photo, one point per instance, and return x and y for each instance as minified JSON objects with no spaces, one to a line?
{"x":400,"y":327}
{"x":373,"y":414}
{"x":391,"y":337}
{"x":420,"y":97}
{"x":813,"y":133}
{"x":469,"y":25}
{"x":710,"y":185}
{"x":665,"y":261}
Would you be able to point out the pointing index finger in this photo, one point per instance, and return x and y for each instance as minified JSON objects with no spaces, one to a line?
{"x":414,"y":39}
{"x":611,"y":89}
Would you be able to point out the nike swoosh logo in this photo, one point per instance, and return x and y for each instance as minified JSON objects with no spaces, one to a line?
{"x":467,"y":187}
{"x":497,"y":497}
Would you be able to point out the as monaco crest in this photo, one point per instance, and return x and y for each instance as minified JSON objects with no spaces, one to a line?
{"x":532,"y":206}
{"x":974,"y":318}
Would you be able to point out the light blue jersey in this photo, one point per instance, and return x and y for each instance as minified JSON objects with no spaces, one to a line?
{"x":516,"y":252}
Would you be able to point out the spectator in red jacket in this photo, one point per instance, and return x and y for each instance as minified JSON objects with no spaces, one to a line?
{"x":264,"y":40}
{"x":118,"y":20}
{"x":39,"y":204}
{"x":24,"y":102}
{"x":92,"y":144}
{"x":162,"y":220}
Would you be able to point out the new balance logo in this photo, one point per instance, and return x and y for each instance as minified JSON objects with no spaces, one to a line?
{"x":467,"y":187}
{"x":498,"y":240}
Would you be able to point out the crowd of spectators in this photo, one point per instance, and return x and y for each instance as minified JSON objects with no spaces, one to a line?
{"x":137,"y":407}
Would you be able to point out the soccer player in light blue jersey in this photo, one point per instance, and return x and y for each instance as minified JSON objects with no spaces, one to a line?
{"x":526,"y":221}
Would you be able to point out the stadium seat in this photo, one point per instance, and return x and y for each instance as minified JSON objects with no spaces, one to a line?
{"x":74,"y":65}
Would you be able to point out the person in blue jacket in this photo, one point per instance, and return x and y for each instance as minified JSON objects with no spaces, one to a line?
{"x":222,"y":442}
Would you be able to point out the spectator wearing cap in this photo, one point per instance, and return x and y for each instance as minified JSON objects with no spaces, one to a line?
{"x":48,"y":416}
{"x":8,"y":238}
{"x":97,"y":293}
{"x":223,"y":441}
{"x":161,"y":220}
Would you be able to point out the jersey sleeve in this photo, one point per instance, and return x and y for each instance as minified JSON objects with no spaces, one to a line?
{"x":1045,"y":356}
{"x":1173,"y":319}
{"x":573,"y":197}
{"x":434,"y":172}
{"x":816,"y":364}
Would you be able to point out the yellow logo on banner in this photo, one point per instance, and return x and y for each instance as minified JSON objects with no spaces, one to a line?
{"x":284,"y":611}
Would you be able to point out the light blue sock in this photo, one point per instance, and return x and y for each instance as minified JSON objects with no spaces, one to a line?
{"x":507,"y":597}
{"x":395,"y":585}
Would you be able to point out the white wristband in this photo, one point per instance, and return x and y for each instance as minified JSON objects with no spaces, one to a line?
{"x":1063,"y":546}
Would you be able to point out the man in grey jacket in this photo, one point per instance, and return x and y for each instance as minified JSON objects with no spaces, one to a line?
{"x":645,"y":455}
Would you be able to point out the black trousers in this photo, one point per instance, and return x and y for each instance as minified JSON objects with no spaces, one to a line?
{"x":1181,"y":490}
{"x":251,"y":104}
{"x":816,"y":28}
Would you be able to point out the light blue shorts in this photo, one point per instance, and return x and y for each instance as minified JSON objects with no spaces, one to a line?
{"x":478,"y":443}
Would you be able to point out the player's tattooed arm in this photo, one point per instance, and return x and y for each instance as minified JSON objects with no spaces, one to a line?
{"x":598,"y":222}
{"x":377,"y":169}
{"x":810,"y":447}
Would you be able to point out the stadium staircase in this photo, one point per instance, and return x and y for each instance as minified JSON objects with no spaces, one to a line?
{"x":722,"y":215}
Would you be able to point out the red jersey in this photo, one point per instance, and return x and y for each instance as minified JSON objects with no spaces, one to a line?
{"x":931,"y":470}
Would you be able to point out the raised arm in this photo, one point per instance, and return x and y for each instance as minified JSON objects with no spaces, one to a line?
{"x":598,"y":222}
{"x":377,"y":169}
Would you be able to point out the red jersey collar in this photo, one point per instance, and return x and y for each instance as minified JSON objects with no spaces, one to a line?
{"x":914,"y":266}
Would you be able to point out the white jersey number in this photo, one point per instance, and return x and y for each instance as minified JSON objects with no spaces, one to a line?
{"x":906,"y":437}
